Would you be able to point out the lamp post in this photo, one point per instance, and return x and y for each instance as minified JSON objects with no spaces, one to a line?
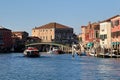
{"x":117,"y":46}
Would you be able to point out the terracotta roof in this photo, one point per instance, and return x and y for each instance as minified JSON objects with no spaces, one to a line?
{"x":110,"y":18}
{"x":19,"y":32}
{"x":83,"y":26}
{"x":52,"y":25}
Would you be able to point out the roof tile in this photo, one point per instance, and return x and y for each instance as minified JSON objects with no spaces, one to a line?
{"x":52,"y":25}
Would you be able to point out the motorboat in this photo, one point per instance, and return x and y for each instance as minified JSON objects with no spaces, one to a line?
{"x":92,"y":54}
{"x":31,"y":52}
{"x":55,"y":50}
{"x":108,"y":55}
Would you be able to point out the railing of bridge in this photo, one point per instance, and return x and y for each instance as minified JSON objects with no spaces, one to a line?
{"x":65,"y":48}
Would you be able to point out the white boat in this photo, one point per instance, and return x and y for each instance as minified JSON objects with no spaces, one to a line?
{"x":31,"y":52}
{"x":50,"y":52}
{"x":92,"y":54}
{"x":108,"y":55}
{"x":55,"y":50}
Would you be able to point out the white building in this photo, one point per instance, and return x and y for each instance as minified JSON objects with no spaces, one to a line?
{"x":105,"y":34}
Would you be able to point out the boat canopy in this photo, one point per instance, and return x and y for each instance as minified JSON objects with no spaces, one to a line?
{"x":90,"y":44}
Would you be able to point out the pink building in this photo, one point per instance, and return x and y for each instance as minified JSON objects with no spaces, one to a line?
{"x":115,"y":29}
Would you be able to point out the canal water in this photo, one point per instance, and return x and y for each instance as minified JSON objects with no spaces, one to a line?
{"x":15,"y":66}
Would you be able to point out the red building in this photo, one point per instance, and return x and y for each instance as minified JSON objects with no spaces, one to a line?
{"x":92,"y":32}
{"x":5,"y":39}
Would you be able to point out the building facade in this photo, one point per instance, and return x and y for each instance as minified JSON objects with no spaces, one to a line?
{"x":105,"y":34}
{"x":5,"y":39}
{"x":22,"y":35}
{"x":94,"y":29}
{"x":19,"y":40}
{"x":53,"y":32}
{"x":115,"y":30}
{"x":80,"y":37}
{"x":90,"y":34}
{"x":83,"y":29}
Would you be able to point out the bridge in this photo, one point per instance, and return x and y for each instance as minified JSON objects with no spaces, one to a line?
{"x":46,"y":45}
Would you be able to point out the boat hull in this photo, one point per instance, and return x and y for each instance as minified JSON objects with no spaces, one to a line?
{"x":31,"y":52}
{"x":108,"y":55}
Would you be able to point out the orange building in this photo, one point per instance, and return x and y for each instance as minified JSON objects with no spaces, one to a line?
{"x":53,"y":32}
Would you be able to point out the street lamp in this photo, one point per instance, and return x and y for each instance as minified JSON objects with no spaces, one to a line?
{"x":117,"y":45}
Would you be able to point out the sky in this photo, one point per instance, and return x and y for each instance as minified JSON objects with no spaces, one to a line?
{"x":24,"y":15}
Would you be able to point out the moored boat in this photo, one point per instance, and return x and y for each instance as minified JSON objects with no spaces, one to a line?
{"x":31,"y":52}
{"x":108,"y":55}
{"x":55,"y":50}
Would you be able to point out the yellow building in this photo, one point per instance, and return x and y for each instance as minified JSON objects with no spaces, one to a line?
{"x":53,"y":32}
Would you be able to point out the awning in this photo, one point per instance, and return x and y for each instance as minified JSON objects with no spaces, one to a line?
{"x":115,"y":43}
{"x":90,"y":44}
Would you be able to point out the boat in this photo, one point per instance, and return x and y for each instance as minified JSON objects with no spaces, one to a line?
{"x":108,"y":55}
{"x":55,"y":50}
{"x":31,"y":52}
{"x":92,"y":54}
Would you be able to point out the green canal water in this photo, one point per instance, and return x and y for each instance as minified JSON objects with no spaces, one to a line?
{"x":15,"y":66}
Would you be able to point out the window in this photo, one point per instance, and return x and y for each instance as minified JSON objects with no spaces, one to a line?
{"x":117,"y":34}
{"x":112,"y":24}
{"x":102,"y":30}
{"x":97,"y":34}
{"x":102,"y":42}
{"x":51,"y":36}
{"x":103,"y":36}
{"x":112,"y":35}
{"x":43,"y":37}
{"x":116,"y":22}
